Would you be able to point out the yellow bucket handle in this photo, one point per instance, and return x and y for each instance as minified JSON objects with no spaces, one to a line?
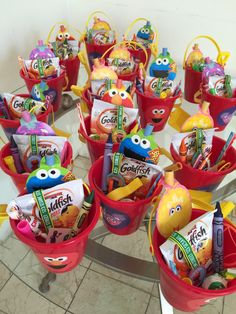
{"x":127,"y":42}
{"x":60,"y":23}
{"x":153,"y":45}
{"x":201,"y":204}
{"x":222,"y":56}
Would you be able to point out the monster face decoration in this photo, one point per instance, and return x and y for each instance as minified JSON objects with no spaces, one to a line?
{"x":164,"y":66}
{"x":146,"y":33}
{"x":49,"y":174}
{"x":141,"y":146}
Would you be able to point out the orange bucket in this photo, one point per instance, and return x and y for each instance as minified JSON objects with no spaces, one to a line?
{"x":193,"y":78}
{"x":10,"y":126}
{"x":181,"y":295}
{"x":19,"y":179}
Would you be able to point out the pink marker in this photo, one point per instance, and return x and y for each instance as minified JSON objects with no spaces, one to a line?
{"x":24,"y":228}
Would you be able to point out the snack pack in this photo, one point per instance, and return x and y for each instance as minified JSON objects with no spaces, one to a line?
{"x":121,"y":61}
{"x":44,"y":144}
{"x":18,"y":104}
{"x":223,"y":86}
{"x":67,"y":49}
{"x":164,"y":66}
{"x":104,"y":117}
{"x":159,"y":87}
{"x":63,"y":203}
{"x":131,"y":168}
{"x":43,"y":68}
{"x":190,"y":247}
{"x":50,"y":173}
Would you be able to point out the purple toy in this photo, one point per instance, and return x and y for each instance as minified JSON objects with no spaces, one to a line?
{"x":211,"y":68}
{"x":41,"y":52}
{"x":30,"y":125}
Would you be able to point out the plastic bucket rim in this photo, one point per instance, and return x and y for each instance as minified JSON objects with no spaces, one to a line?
{"x":176,"y":279}
{"x":232,"y":99}
{"x":213,"y":173}
{"x":163,"y":99}
{"x":62,"y":75}
{"x":108,"y":200}
{"x":60,"y":245}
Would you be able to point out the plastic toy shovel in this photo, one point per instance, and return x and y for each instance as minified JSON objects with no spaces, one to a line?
{"x":174,"y":209}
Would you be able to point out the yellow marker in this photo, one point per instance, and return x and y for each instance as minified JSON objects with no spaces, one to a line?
{"x":9,"y":161}
{"x":125,"y":191}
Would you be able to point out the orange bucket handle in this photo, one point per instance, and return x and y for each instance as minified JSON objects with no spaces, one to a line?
{"x":127,"y":43}
{"x":154,"y":44}
{"x":222,"y":56}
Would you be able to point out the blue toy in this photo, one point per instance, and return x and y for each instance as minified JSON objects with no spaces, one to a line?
{"x":164,"y":66}
{"x":146,"y":32}
{"x":141,"y":146}
{"x":49,"y":174}
{"x":41,"y":92}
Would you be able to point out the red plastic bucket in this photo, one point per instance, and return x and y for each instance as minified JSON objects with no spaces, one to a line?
{"x":10,"y":126}
{"x":95,"y":148}
{"x":50,"y":254}
{"x":96,"y":51}
{"x":221,"y":109}
{"x":119,"y":217}
{"x":72,"y":71}
{"x":196,"y":179}
{"x":140,"y":57}
{"x":150,"y":107}
{"x":19,"y":179}
{"x":178,"y":293}
{"x":56,"y":85}
{"x":192,"y":82}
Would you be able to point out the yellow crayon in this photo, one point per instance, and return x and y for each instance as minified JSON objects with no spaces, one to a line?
{"x":9,"y":161}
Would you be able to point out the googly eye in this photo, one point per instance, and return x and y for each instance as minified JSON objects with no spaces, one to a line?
{"x":158,"y":61}
{"x":60,"y":36}
{"x":147,"y":31}
{"x":135,"y":139}
{"x":61,"y":258}
{"x":178,"y":208}
{"x":145,"y":143}
{"x":142,"y":30}
{"x":155,"y":111}
{"x":66,"y":35}
{"x":165,"y":61}
{"x":172,"y":211}
{"x":42,"y":174}
{"x":49,"y":259}
{"x":54,"y":173}
{"x":162,"y":111}
{"x":123,"y":95}
{"x":113,"y":92}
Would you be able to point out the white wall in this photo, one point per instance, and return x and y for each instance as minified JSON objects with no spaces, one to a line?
{"x":178,"y":21}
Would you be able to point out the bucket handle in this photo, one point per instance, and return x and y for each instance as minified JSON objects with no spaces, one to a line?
{"x":66,"y":83}
{"x":201,"y":204}
{"x":83,"y":35}
{"x":198,"y":97}
{"x":222,"y":56}
{"x":153,"y":45}
{"x":127,"y":42}
{"x":60,"y":23}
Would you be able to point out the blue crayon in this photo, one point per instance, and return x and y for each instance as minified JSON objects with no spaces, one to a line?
{"x":106,"y":162}
{"x":218,"y":240}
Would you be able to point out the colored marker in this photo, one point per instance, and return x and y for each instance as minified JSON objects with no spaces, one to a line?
{"x":148,"y":129}
{"x":183,"y":151}
{"x":154,"y":185}
{"x":106,"y":162}
{"x":218,"y":240}
{"x":86,"y":206}
{"x":227,"y":145}
{"x":204,"y":162}
{"x":16,"y":156}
